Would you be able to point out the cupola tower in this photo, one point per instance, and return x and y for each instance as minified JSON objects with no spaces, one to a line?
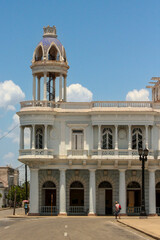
{"x":49,"y":63}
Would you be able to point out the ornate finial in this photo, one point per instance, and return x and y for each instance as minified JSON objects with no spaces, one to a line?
{"x":49,"y":31}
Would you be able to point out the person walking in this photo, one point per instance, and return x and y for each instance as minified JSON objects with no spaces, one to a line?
{"x":26,"y":208}
{"x":117,"y":209}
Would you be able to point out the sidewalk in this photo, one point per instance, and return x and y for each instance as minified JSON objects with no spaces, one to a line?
{"x":149,"y":226}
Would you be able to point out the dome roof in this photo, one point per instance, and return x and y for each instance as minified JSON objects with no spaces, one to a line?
{"x":50,"y":39}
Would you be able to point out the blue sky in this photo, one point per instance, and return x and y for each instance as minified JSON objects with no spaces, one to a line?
{"x":112,"y":47}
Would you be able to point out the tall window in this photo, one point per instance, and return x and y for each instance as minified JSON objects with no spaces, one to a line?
{"x":39,"y":138}
{"x":137,"y":138}
{"x":107,"y":138}
{"x":77,"y":139}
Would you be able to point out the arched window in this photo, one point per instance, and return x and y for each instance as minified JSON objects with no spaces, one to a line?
{"x":39,"y":54}
{"x":134,"y":185}
{"x":107,"y":138}
{"x":53,"y":54}
{"x":39,"y":138}
{"x":49,"y":184}
{"x":76,"y":184}
{"x":137,"y":138}
{"x":105,"y":184}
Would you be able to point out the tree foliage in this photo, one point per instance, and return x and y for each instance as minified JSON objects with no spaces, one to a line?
{"x":20,"y":193}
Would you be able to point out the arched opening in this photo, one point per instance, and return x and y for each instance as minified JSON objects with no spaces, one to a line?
{"x":133,"y":198}
{"x":105,"y":198}
{"x":39,"y":138}
{"x":53,"y":54}
{"x":49,"y":198}
{"x":137,"y":138}
{"x":39,"y":54}
{"x":76,"y":198}
{"x":158,"y":198}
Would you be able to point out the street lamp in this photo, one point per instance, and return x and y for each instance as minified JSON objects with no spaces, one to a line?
{"x":143,"y":157}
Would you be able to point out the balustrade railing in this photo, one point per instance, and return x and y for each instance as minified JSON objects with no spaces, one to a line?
{"x":133,"y":210}
{"x":23,"y":152}
{"x":77,"y":152}
{"x":87,"y":105}
{"x":77,"y":210}
{"x":48,"y":210}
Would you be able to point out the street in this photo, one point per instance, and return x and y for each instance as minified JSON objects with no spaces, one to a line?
{"x":73,"y":228}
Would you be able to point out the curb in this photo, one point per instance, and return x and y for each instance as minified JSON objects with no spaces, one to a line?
{"x":137,"y":229}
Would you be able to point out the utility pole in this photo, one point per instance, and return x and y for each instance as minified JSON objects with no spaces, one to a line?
{"x":26,"y":182}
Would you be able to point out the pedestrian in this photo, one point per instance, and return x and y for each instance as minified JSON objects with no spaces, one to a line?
{"x":117,"y":209}
{"x":26,"y":208}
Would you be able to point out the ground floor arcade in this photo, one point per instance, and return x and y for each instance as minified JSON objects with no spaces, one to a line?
{"x":92,"y":192}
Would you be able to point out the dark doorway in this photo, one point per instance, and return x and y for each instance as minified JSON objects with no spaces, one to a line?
{"x":108,"y":201}
{"x":76,"y":197}
{"x":158,"y":195}
{"x":48,"y":193}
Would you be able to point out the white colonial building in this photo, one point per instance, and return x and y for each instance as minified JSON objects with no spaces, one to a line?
{"x":83,"y":156}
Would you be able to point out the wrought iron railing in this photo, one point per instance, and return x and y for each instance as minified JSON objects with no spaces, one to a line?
{"x":133,"y":210}
{"x":23,"y":152}
{"x":77,"y":210}
{"x":48,"y":210}
{"x":158,"y":210}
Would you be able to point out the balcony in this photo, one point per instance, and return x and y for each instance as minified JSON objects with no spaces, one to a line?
{"x":77,"y":153}
{"x":33,"y":152}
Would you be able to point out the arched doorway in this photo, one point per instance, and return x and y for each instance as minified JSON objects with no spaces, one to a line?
{"x":49,"y":197}
{"x":158,"y":198}
{"x":105,"y":198}
{"x":76,"y":198}
{"x":133,"y":198}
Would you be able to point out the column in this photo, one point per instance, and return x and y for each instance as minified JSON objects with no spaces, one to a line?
{"x":34,"y":88}
{"x":30,"y":137}
{"x":122,"y":190}
{"x":33,"y":136}
{"x":65,"y":89}
{"x":116,"y":137}
{"x":99,"y":137}
{"x":45,"y":136}
{"x":92,"y":138}
{"x":60,"y":88}
{"x":45,"y":87}
{"x":34,"y":192}
{"x":39,"y":89}
{"x":152,"y":192}
{"x":92,"y":192}
{"x":62,"y":197}
{"x":146,"y":145}
{"x":21,"y":144}
{"x":129,"y":137}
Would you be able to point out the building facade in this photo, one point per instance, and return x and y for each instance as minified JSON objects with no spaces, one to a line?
{"x":84,"y":156}
{"x":8,"y":177}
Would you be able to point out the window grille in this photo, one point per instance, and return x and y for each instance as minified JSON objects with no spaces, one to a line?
{"x":137,"y":138}
{"x":39,"y":138}
{"x":107,"y":138}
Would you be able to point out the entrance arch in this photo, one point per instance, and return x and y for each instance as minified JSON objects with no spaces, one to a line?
{"x":76,"y":194}
{"x":105,"y":198}
{"x":49,"y":193}
{"x":133,"y":198}
{"x":158,"y":198}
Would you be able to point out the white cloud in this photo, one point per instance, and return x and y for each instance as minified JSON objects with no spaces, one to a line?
{"x":14,"y":135}
{"x":78,"y":93}
{"x":11,"y":94}
{"x":9,"y":155}
{"x":135,"y":95}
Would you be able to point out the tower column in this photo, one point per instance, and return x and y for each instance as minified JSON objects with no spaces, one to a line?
{"x":116,"y":137}
{"x":129,"y":137}
{"x":45,"y":87}
{"x":65,"y":89}
{"x":152,"y":192}
{"x":122,"y":190}
{"x":34,"y":88}
{"x":45,"y":136}
{"x":146,"y":136}
{"x":33,"y":136}
{"x":38,"y":89}
{"x":34,"y":192}
{"x":62,"y":197}
{"x":92,"y":192}
{"x":60,"y":88}
{"x":21,"y":137}
{"x":99,"y":137}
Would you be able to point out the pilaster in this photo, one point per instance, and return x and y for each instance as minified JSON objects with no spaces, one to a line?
{"x":92,"y":193}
